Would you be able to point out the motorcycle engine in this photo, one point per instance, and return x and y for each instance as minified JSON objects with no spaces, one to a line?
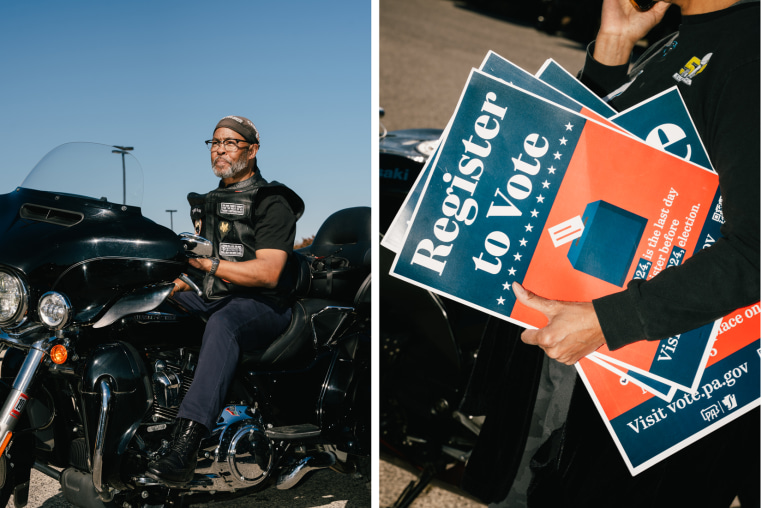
{"x":237,"y":454}
{"x":171,"y":379}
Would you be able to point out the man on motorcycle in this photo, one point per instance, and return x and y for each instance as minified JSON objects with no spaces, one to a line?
{"x":252,"y":225}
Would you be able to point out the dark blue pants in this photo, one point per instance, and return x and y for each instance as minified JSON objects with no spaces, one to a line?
{"x":235,"y":324}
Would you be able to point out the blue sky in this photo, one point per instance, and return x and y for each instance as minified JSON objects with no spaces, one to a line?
{"x":158,"y":75}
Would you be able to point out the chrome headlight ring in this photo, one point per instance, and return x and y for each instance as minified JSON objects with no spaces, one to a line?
{"x":14,"y":299}
{"x":54,"y":310}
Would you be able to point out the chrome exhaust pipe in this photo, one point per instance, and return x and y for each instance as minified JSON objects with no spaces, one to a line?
{"x":104,"y":492}
{"x":47,"y":470}
{"x":295,"y":473}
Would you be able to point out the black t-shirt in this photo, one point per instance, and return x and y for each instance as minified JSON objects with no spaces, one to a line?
{"x":714,"y":61}
{"x":274,"y":225}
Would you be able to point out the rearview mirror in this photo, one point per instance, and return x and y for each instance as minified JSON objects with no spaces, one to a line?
{"x":196,"y":246}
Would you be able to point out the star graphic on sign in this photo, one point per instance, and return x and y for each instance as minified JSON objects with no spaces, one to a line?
{"x":517,"y":256}
{"x":507,"y":286}
{"x":528,"y":227}
{"x":569,"y":126}
{"x":523,"y":242}
{"x":557,"y":155}
{"x":534,"y":213}
{"x":545,"y":184}
{"x":552,"y":170}
{"x":512,"y":271}
{"x":540,"y":199}
{"x":562,"y":141}
{"x":500,"y":301}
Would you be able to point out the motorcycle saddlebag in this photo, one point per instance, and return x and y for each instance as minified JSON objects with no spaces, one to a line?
{"x":340,"y":254}
{"x":333,"y":278}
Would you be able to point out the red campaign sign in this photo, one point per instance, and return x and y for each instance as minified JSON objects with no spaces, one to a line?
{"x":573,"y":209}
{"x":639,"y":188}
{"x":530,"y":178}
{"x":737,"y":330}
{"x":647,"y":428}
{"x":616,"y":396}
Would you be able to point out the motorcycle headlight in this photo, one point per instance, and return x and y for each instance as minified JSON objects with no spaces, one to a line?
{"x":13,"y":300}
{"x":54,"y":310}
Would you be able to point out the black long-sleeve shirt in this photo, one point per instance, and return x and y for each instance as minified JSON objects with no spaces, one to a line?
{"x":721,"y":50}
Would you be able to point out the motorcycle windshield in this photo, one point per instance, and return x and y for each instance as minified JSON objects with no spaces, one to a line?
{"x":91,"y":170}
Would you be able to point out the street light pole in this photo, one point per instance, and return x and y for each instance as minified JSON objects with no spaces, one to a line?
{"x":171,"y":224}
{"x":123,"y":150}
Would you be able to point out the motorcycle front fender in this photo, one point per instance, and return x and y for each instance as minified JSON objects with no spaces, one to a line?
{"x":116,"y":395}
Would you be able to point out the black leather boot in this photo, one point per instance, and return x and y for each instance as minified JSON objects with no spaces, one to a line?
{"x":176,"y":467}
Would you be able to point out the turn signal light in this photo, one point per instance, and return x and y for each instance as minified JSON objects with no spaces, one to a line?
{"x":59,"y":354}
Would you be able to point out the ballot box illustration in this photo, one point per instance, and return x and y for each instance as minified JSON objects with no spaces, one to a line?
{"x":603,"y":241}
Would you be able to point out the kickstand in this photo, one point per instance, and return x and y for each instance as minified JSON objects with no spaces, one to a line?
{"x":414,"y":488}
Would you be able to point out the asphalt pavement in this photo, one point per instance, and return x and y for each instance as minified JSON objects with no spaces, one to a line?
{"x":323,"y":489}
{"x":428,"y":47}
{"x":396,"y":474}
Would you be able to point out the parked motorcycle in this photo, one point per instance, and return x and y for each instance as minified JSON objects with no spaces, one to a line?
{"x":428,"y":343}
{"x":96,"y":357}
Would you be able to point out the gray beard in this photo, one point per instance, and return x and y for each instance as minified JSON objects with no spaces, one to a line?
{"x":234,"y":169}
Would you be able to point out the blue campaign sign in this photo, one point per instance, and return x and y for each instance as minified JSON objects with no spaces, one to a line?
{"x":656,"y":428}
{"x":558,"y":77}
{"x":486,"y":194}
{"x":594,"y":253}
{"x":663,"y":122}
{"x":497,"y":66}
{"x":505,"y":70}
{"x":498,"y":205}
{"x":522,"y":189}
{"x":395,"y":234}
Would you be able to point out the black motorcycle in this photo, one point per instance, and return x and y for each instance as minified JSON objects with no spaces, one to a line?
{"x":96,"y":357}
{"x":428,"y":343}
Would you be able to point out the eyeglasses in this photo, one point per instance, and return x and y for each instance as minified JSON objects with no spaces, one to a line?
{"x":231,"y":145}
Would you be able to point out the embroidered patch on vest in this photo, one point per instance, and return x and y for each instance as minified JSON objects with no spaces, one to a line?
{"x":232,"y":209}
{"x":234,"y":250}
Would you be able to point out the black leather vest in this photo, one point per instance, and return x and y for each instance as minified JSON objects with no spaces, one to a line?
{"x":226,"y":216}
